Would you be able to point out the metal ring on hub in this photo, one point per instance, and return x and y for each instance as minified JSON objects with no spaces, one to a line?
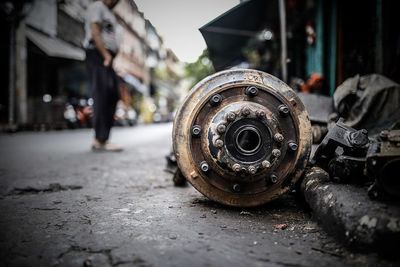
{"x":248,"y":139}
{"x":237,"y":138}
{"x":240,"y":153}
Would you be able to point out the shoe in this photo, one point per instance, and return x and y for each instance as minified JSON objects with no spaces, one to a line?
{"x":112,"y":148}
{"x":107,"y":147}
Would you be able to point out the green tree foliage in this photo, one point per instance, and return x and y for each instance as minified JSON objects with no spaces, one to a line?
{"x":199,"y":69}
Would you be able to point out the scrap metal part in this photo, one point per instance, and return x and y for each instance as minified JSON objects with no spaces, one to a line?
{"x":383,"y":164}
{"x":242,"y":137}
{"x":348,"y":155}
{"x":342,"y":153}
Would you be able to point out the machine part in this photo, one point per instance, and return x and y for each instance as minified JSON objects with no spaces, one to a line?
{"x":236,"y":187}
{"x":278,"y":137}
{"x":318,"y":132}
{"x":260,"y":114}
{"x":252,"y":91}
{"x":276,"y":153}
{"x":293,"y":146}
{"x":283,"y":110}
{"x":204,"y":166}
{"x":383,"y":165}
{"x":342,"y":153}
{"x":345,"y":168}
{"x":215,"y":100}
{"x":248,"y":166}
{"x":349,"y":156}
{"x":172,"y":167}
{"x":273,"y":178}
{"x":266,"y":164}
{"x":179,"y":179}
{"x":196,"y":130}
{"x":221,"y":128}
{"x":171,"y":162}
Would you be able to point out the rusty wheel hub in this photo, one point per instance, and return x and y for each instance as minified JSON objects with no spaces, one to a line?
{"x":242,"y":137}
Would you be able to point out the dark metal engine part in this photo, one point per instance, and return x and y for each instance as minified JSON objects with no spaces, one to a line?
{"x":383,"y":164}
{"x":342,"y":152}
{"x":348,"y":155}
{"x":242,"y":137}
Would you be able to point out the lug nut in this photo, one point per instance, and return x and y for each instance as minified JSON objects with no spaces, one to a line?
{"x":236,"y":187}
{"x":246,"y":111}
{"x":219,"y":143}
{"x":230,"y":116}
{"x":273,"y":178}
{"x":215,"y":100}
{"x":221,"y":128}
{"x":196,"y":130}
{"x":252,"y":169}
{"x":278,"y":137}
{"x":260,"y":113}
{"x":276,"y":153}
{"x":251,"y":91}
{"x":293,"y":146}
{"x":236,"y":167}
{"x":283,"y":110}
{"x":266,"y":164}
{"x":204,"y":166}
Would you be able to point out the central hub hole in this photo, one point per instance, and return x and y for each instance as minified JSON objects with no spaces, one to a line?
{"x":248,"y":140}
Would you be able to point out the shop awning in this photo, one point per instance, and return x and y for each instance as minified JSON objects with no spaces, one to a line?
{"x":229,"y":33}
{"x":55,"y":47}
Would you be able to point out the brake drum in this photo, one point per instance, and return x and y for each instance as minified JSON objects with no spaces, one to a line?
{"x":242,"y":137}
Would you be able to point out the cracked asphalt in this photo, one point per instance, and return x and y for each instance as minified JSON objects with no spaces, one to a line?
{"x":63,"y":205}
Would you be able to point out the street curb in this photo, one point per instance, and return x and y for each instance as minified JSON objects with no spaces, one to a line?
{"x":347,"y":212}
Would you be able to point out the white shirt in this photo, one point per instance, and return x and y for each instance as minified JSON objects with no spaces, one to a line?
{"x":99,"y":13}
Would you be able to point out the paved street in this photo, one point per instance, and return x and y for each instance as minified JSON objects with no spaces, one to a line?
{"x":62,"y":205}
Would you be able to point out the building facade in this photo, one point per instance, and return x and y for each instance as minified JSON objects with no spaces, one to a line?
{"x":46,"y":60}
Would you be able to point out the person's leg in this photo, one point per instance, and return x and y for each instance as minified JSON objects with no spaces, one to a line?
{"x":98,"y":85}
{"x":112,"y":99}
{"x":105,"y":95}
{"x":101,"y":105}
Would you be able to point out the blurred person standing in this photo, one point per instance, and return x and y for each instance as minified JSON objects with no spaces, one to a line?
{"x":101,"y":44}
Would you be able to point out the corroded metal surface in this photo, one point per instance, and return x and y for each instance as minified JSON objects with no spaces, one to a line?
{"x":242,"y":137}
